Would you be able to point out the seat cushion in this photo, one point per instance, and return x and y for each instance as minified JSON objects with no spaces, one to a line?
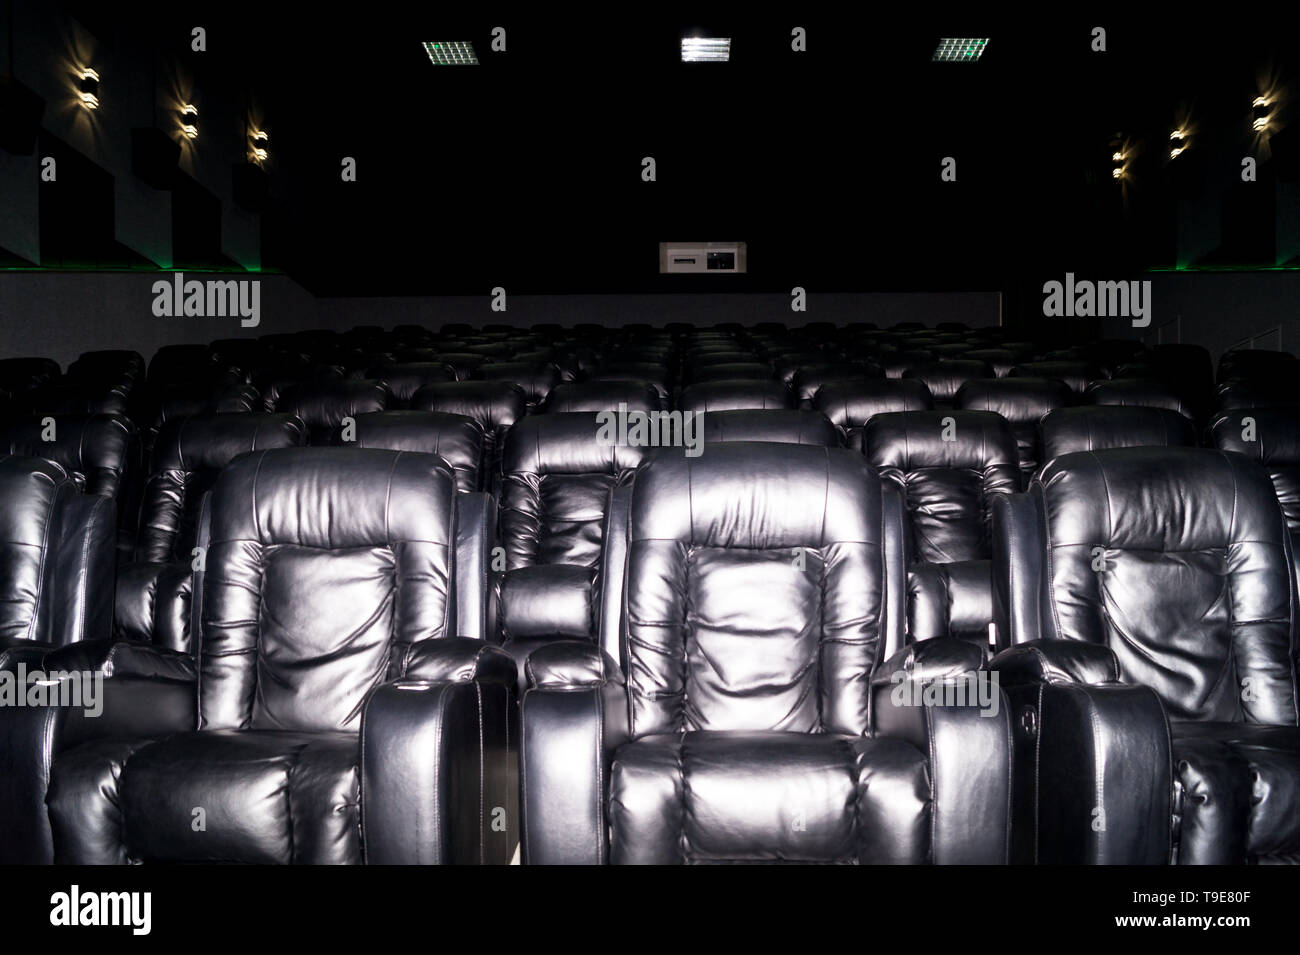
{"x":1239,"y":798}
{"x":265,"y":796}
{"x":716,"y":797}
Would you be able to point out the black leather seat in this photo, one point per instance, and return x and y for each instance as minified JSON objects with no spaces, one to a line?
{"x":776,"y":425}
{"x":1136,"y":392}
{"x":153,"y":602}
{"x":732,"y":371}
{"x":851,"y":404}
{"x":743,"y":395}
{"x":1076,"y":374}
{"x":558,"y":476}
{"x":949,"y":467}
{"x":1022,"y":402}
{"x":728,"y":713}
{"x":1097,"y":427}
{"x":56,"y":554}
{"x":1270,"y":436}
{"x":945,"y":378}
{"x":404,"y":379}
{"x":602,"y":396}
{"x":495,"y":405}
{"x":339,"y":717}
{"x":1148,"y":598}
{"x":536,"y":380}
{"x":323,"y":405}
{"x":809,"y":378}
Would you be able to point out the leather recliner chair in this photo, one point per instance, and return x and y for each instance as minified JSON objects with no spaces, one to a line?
{"x":152,"y":604}
{"x":949,"y":467}
{"x":1148,"y":599}
{"x":339,"y":717}
{"x":738,"y":706}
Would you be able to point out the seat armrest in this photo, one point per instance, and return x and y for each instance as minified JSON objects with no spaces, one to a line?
{"x":897,"y":558}
{"x":124,"y":658}
{"x":613,"y":566}
{"x":15,"y":650}
{"x":1094,"y":776}
{"x":1056,"y":661}
{"x":87,"y":552}
{"x":1019,"y":545}
{"x":476,"y":534}
{"x":459,"y":660}
{"x":568,"y":740}
{"x":436,"y":768}
{"x":81,"y":704}
{"x":935,"y":696}
{"x":153,"y":605}
{"x":571,"y":664}
{"x":950,"y":600}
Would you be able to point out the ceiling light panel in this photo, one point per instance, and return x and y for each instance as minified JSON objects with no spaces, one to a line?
{"x":959,"y":49}
{"x":702,"y":49}
{"x":453,"y":53}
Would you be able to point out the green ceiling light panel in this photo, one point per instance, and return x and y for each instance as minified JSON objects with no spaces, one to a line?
{"x":959,"y":49}
{"x":451,"y":53}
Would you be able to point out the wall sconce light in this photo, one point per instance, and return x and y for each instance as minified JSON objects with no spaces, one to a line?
{"x":190,"y":121}
{"x":89,"y":88}
{"x":1260,"y":110}
{"x":261,"y":144}
{"x":1117,"y":159}
{"x":1177,"y":143}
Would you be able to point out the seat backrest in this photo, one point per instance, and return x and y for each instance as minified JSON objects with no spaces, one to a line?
{"x":602,"y":396}
{"x":732,"y":371}
{"x":101,"y":452}
{"x":557,"y":473}
{"x":457,"y":439}
{"x":1076,"y":374}
{"x":1199,"y":604}
{"x":1255,"y":364}
{"x":742,"y":395}
{"x":56,"y":555}
{"x":755,"y":591}
{"x":536,"y":379}
{"x":1270,"y":436}
{"x":1097,"y":427}
{"x":404,"y":379}
{"x":948,"y":465}
{"x":1136,"y":392}
{"x":325,"y":568}
{"x":809,"y":378}
{"x":495,"y":405}
{"x":1023,"y":402}
{"x":776,"y":425}
{"x":322,"y":405}
{"x":943,"y":378}
{"x":851,"y":404}
{"x":188,"y":456}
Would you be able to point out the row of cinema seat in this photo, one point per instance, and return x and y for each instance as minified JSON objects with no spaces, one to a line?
{"x":407,"y":565}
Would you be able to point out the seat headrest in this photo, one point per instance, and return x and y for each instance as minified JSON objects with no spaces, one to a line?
{"x":849,"y":404}
{"x":211,"y":441}
{"x":776,"y":425}
{"x":757,"y":496}
{"x":1019,"y":400}
{"x":745,"y":394}
{"x":1099,"y":427}
{"x":912,"y":440}
{"x":575,"y":442}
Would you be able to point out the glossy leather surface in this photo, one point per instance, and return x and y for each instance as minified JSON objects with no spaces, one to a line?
{"x":944,"y":378}
{"x":323,"y":405}
{"x":1139,"y":392}
{"x":1271,"y":437}
{"x":457,"y":439}
{"x":1023,"y":402}
{"x":601,"y":396}
{"x":1099,"y":427}
{"x":744,"y":395}
{"x":851,"y":404}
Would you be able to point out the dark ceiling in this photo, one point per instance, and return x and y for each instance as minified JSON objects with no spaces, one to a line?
{"x":525,"y":171}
